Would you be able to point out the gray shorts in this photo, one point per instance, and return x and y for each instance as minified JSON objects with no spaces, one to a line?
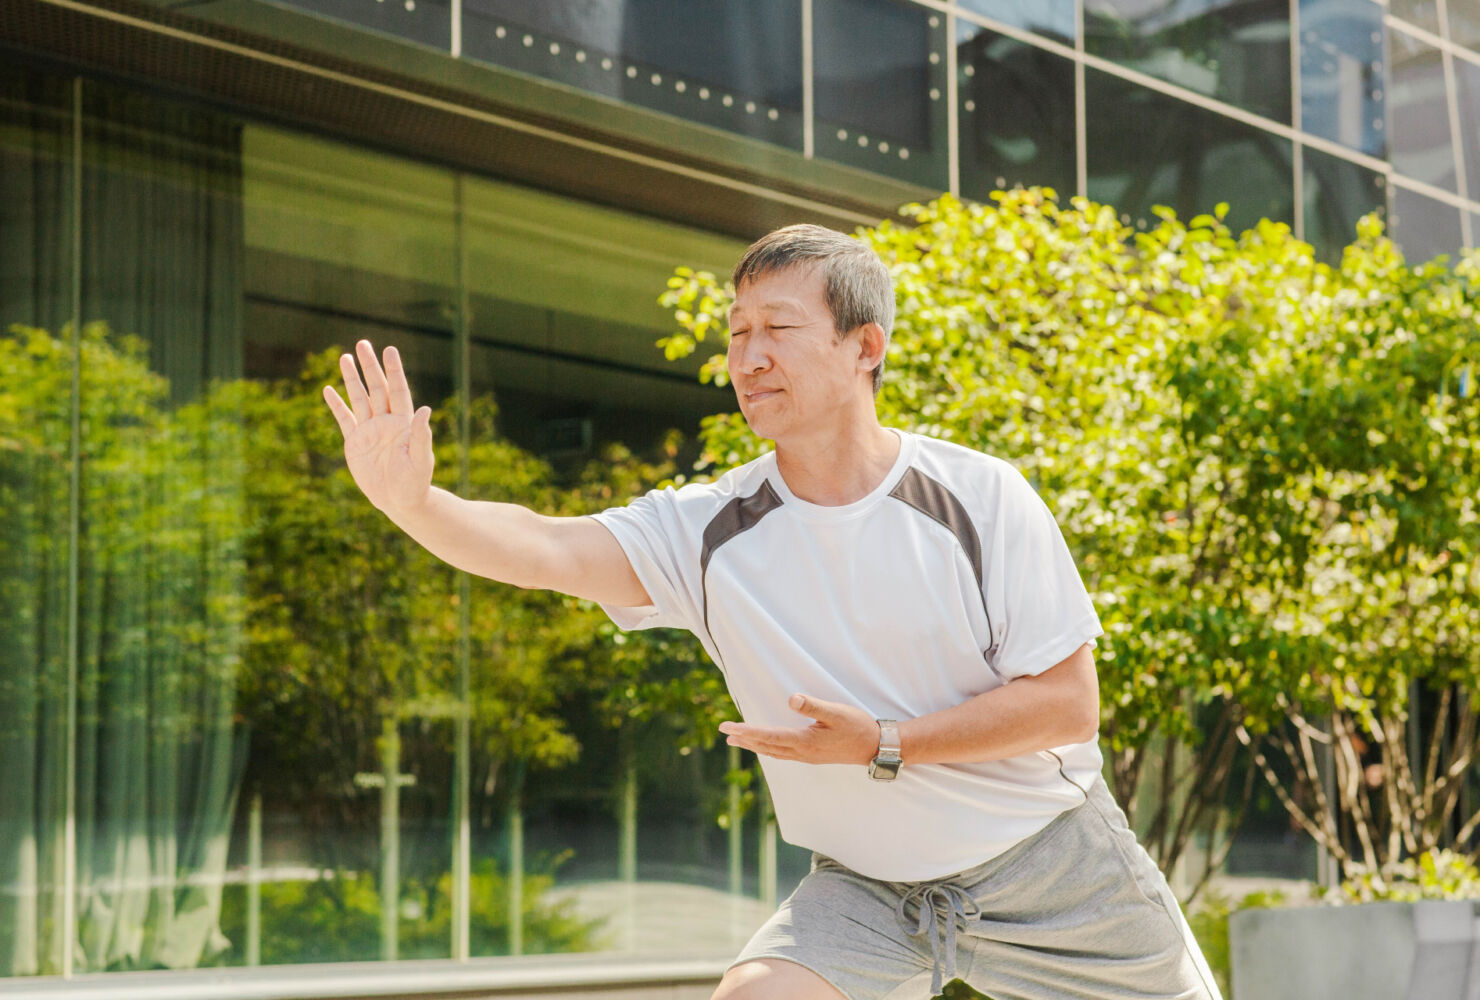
{"x":1078,"y":910}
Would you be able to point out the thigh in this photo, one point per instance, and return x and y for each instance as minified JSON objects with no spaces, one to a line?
{"x":1085,"y":912}
{"x":774,"y":979}
{"x":844,"y":928}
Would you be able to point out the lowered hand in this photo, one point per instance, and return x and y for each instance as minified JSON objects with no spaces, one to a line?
{"x":839,"y":734}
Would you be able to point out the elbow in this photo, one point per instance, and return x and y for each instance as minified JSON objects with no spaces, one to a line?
{"x":1090,"y":732}
{"x":1086,"y":725}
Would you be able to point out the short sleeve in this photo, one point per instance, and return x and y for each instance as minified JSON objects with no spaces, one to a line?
{"x":650,"y":532}
{"x":1040,"y":609}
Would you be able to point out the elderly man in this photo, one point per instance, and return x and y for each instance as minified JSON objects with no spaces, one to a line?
{"x":905,"y":634}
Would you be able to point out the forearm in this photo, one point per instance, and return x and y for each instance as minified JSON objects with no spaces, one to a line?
{"x":1025,"y":716}
{"x":1055,"y":708}
{"x":501,"y":541}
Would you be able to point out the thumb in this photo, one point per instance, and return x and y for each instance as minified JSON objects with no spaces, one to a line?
{"x":421,"y":428}
{"x":813,"y":708}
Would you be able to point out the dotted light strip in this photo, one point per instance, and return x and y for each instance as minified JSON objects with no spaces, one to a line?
{"x":751,"y":107}
{"x":608,"y":65}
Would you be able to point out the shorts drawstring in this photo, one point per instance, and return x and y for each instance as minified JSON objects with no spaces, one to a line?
{"x":942,"y":904}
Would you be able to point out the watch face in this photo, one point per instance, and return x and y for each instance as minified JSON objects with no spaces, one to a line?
{"x":884,"y":767}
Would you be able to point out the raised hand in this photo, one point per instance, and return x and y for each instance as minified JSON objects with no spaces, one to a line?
{"x":387,"y":443}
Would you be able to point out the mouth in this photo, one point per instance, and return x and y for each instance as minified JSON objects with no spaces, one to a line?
{"x":756,"y":395}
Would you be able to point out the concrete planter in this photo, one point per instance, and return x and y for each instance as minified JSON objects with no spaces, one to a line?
{"x":1371,"y":951}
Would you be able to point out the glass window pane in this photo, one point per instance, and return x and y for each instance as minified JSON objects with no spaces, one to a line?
{"x":36,"y":156}
{"x":1017,"y":114}
{"x":1467,"y":76}
{"x":162,"y":624}
{"x":426,"y":21}
{"x":1423,"y":226}
{"x":564,"y":317}
{"x":350,"y":765}
{"x":1148,"y":149}
{"x":1238,"y":52}
{"x":880,"y":84}
{"x":732,"y":64}
{"x":1054,"y":18}
{"x":1418,"y":111}
{"x":1419,"y":13}
{"x":1337,"y":193}
{"x":1341,"y":73}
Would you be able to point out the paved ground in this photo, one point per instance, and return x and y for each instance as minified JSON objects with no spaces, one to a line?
{"x":657,"y":917}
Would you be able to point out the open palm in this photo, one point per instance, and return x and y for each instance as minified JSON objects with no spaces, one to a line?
{"x":387,"y":442}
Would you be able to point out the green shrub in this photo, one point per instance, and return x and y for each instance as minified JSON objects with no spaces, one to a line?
{"x":338,"y":919}
{"x":1432,"y":875}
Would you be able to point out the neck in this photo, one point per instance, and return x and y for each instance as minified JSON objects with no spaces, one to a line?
{"x":838,"y":465}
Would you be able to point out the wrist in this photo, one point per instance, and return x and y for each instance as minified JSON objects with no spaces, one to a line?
{"x":886,"y":762}
{"x":408,"y":510}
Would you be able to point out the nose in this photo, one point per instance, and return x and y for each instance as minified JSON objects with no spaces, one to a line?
{"x":748,"y":356}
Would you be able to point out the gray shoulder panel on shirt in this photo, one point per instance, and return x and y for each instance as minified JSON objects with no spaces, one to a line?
{"x":734,"y":518}
{"x":739,"y":515}
{"x":936,"y":502}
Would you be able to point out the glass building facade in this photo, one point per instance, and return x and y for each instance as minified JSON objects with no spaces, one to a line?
{"x":245,"y":722}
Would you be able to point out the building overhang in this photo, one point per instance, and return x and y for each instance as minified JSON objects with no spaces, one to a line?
{"x":266,"y":61}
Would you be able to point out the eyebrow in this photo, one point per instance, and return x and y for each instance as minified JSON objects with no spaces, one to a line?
{"x":768,"y":307}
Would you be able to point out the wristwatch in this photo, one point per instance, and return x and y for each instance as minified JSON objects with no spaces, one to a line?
{"x":885,"y":765}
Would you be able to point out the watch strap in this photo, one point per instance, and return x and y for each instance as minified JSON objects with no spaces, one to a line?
{"x":886,"y":762}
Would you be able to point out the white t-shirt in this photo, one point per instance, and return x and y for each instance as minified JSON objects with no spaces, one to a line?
{"x":949,"y":579}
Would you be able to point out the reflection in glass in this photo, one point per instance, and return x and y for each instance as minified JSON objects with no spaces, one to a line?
{"x":36,"y":183}
{"x":1418,"y":111}
{"x":1467,"y":79}
{"x":158,"y":550}
{"x":1337,"y":193}
{"x":270,"y":675}
{"x":562,"y":344}
{"x":426,"y":21}
{"x":880,"y":85}
{"x":1017,"y":114}
{"x":1147,"y":149}
{"x":1054,"y":18}
{"x":1423,"y":226}
{"x":1341,"y":73}
{"x":733,"y":64}
{"x":1238,"y":51}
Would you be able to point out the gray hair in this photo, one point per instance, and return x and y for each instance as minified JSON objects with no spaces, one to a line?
{"x":855,"y":283}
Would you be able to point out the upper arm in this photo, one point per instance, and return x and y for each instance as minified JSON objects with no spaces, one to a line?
{"x":1039,"y":608}
{"x":586,"y":561}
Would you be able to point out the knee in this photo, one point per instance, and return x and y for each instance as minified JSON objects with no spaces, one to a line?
{"x":774,"y":979}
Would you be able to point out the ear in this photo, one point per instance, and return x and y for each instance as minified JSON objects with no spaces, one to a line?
{"x":872,"y":343}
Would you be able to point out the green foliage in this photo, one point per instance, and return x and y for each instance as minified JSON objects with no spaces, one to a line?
{"x":1269,"y":494}
{"x":338,"y":919}
{"x":148,"y":662}
{"x":351,"y":620}
{"x":300,"y":616}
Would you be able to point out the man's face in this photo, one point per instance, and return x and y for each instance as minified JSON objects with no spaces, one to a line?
{"x":791,"y":370}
